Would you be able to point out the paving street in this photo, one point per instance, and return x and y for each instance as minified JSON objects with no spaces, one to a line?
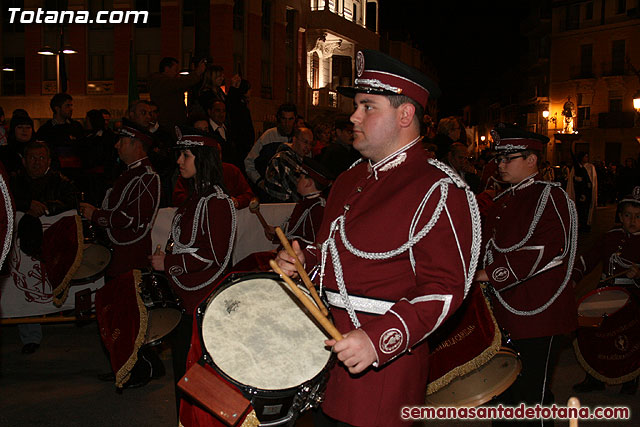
{"x":58,"y":385}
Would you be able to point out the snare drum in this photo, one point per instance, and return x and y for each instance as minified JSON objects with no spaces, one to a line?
{"x":163,"y":306}
{"x":95,"y":260}
{"x":470,"y":361}
{"x":482,"y":384}
{"x":258,"y":337}
{"x":610,"y":351}
{"x":599,"y":303}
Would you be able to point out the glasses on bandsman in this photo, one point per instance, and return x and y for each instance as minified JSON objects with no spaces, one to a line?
{"x":507,"y":159}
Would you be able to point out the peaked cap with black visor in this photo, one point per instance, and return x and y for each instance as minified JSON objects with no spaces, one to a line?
{"x":510,"y":139}
{"x":380,"y":74}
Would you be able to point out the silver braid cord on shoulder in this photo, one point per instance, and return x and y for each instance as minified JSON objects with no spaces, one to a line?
{"x":571,"y":239}
{"x":338,"y":226}
{"x":202,"y":208}
{"x":124,"y":193}
{"x":10,"y":218}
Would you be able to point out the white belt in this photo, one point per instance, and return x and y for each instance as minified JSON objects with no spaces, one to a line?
{"x":365,"y":305}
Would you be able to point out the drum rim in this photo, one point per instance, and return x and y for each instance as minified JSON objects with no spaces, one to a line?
{"x":249,"y":390}
{"x":598,"y":291}
{"x":170,"y":305}
{"x":488,"y":395}
{"x":95,"y":276}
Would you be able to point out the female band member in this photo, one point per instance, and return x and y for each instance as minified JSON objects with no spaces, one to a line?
{"x":202,"y":235}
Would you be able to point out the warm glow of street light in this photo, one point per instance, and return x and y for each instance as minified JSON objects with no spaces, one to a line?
{"x":46,"y":51}
{"x":636,"y":101}
{"x":545,"y":114}
{"x":69,"y":51}
{"x":8,"y":68}
{"x":482,"y":138}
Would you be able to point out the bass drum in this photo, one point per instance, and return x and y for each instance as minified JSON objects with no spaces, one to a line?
{"x":257,"y":336}
{"x":163,"y":306}
{"x":471,"y":361}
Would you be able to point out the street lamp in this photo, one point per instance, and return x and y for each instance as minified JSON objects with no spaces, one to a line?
{"x":8,"y":68}
{"x":553,"y":119}
{"x":48,"y":51}
{"x":636,"y":101}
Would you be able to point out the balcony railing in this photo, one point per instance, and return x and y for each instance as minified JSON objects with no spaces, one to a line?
{"x":580,"y":72}
{"x":622,"y":119}
{"x":614,"y":69}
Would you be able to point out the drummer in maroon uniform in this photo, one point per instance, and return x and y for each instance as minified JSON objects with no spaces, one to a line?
{"x":127,"y":213}
{"x":529,"y":243}
{"x":397,"y":250}
{"x":618,"y":251}
{"x":130,"y":206}
{"x":201,"y":238}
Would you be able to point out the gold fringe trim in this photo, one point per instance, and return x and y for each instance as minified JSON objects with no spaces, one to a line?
{"x":61,"y":293}
{"x":474,"y":363}
{"x":597,"y":375}
{"x":251,"y":420}
{"x":124,"y":373}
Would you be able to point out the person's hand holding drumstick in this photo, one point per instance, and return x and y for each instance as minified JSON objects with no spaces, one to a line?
{"x":355,"y":350}
{"x":157,"y":259}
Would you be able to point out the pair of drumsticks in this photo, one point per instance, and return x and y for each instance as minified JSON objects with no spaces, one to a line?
{"x":319,"y":312}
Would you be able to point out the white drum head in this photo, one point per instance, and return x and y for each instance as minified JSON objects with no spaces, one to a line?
{"x":480,"y":385}
{"x":95,"y":259}
{"x":259,"y":336}
{"x":603,"y":302}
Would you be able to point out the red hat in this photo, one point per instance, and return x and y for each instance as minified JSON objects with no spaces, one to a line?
{"x":509,"y":139}
{"x":193,"y":138}
{"x":135,"y":133}
{"x":380,"y":74}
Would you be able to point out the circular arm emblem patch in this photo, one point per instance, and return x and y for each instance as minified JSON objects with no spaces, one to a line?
{"x":390,"y":340}
{"x":500,"y":274}
{"x":176,"y":270}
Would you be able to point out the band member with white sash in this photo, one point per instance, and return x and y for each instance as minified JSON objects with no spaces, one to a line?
{"x":202,"y":235}
{"x":397,"y":250}
{"x":530,"y":237}
{"x":619,"y":252}
{"x":130,"y":206}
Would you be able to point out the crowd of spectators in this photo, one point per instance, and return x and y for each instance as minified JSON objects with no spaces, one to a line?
{"x":265,"y":166}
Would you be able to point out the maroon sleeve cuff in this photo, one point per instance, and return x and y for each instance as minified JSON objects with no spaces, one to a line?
{"x":174,"y":265}
{"x":388,"y":336}
{"x":101,"y":218}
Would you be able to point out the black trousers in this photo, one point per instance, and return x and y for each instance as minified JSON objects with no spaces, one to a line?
{"x":538,"y":356}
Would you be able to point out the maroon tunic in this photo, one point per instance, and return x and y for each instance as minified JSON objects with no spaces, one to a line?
{"x":529,"y":271}
{"x":415,"y":289}
{"x":7,"y":215}
{"x":235,"y":182}
{"x":305,"y":219}
{"x":128,"y":212}
{"x":202,"y":232}
{"x":617,"y":250}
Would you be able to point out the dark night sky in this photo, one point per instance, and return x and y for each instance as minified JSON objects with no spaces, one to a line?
{"x":471,"y":43}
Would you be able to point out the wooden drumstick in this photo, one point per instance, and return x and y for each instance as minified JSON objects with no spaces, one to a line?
{"x":301,"y":271}
{"x":613,"y":276}
{"x":254,"y":208}
{"x":315,"y":312}
{"x":573,"y":403}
